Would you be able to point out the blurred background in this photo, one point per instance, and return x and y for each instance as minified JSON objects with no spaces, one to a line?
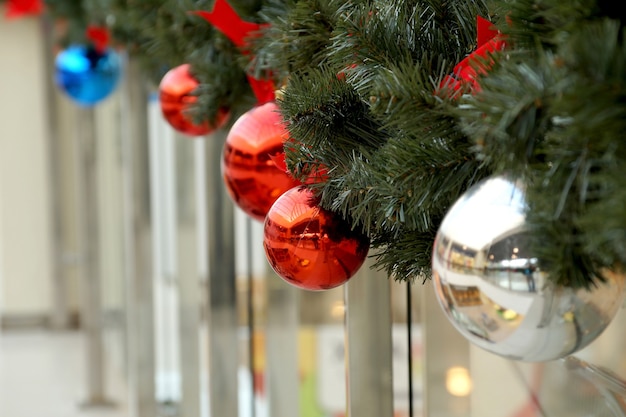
{"x":108,"y":238}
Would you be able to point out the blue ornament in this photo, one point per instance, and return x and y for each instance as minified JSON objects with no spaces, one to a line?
{"x":86,"y":74}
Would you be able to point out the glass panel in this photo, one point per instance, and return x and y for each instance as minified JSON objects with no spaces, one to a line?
{"x":447,"y":376}
{"x":589,"y":383}
{"x":369,"y":339}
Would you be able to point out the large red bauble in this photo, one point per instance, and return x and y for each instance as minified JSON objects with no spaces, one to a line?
{"x":251,"y":160}
{"x":310,"y":247}
{"x":175,"y":97}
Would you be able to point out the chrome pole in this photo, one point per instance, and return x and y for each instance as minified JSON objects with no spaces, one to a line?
{"x":188,"y":275}
{"x":283,"y":380}
{"x":138,"y":246}
{"x":222,"y":299}
{"x":368,"y":344}
{"x":59,"y":318}
{"x":92,"y":308}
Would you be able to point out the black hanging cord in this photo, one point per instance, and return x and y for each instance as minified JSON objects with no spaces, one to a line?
{"x":409,"y":321}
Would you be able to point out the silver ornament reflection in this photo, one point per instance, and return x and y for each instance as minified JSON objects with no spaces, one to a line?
{"x":491,"y":287}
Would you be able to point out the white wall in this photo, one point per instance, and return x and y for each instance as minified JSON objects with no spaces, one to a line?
{"x":25,"y":226}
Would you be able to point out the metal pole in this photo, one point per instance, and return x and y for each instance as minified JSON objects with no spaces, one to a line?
{"x":92,"y":309}
{"x":250,"y":311}
{"x":188,"y":275}
{"x":368,"y":344}
{"x":283,"y":378}
{"x":138,"y":246}
{"x":59,"y":318}
{"x":223,"y":344}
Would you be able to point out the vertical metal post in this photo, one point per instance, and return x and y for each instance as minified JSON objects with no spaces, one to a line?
{"x":188,"y":276}
{"x":223,"y":345}
{"x":91,"y":313}
{"x":250,"y":311}
{"x":368,"y":344}
{"x":163,"y":202}
{"x":138,"y":246}
{"x":282,"y":347}
{"x":59,"y":318}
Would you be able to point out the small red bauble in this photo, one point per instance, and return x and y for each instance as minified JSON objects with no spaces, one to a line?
{"x":253,"y":160}
{"x":310,"y":247}
{"x":175,"y":97}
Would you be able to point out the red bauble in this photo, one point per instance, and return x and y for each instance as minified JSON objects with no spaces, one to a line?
{"x":175,"y":96}
{"x":310,"y":247}
{"x":253,"y":160}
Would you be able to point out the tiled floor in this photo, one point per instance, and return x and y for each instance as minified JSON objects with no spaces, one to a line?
{"x":43,"y":374}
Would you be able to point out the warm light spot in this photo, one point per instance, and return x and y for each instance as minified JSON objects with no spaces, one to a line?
{"x":305,"y":262}
{"x":458,"y":381}
{"x":509,"y":315}
{"x":338,"y":309}
{"x":515,"y":250}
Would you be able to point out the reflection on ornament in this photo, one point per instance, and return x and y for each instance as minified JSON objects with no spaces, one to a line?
{"x":86,"y":74}
{"x":176,"y":96}
{"x":493,"y":290}
{"x":253,"y":161}
{"x":309,"y":247}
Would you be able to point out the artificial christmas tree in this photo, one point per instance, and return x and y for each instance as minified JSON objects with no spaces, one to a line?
{"x":368,"y":99}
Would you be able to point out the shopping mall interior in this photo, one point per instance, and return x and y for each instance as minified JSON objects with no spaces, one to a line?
{"x":118,"y":297}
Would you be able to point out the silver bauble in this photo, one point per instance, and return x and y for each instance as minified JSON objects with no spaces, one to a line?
{"x":493,"y":291}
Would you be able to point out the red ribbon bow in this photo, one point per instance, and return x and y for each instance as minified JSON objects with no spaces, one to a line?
{"x":488,"y":41}
{"x":99,"y":36}
{"x":227,"y":21}
{"x":20,"y":8}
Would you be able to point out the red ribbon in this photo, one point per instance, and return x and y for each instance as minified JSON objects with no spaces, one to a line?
{"x":227,"y":21}
{"x":19,"y":8}
{"x":488,"y":41}
{"x":99,"y":36}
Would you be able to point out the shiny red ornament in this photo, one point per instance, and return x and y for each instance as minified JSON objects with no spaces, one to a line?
{"x":310,"y":247}
{"x":175,"y":97}
{"x":20,"y":8}
{"x":251,"y":165}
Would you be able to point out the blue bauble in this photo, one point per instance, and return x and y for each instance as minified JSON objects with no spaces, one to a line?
{"x":86,"y":74}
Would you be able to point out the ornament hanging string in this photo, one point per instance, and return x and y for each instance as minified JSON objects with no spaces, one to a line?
{"x":488,"y":41}
{"x":21,"y":8}
{"x":227,"y":21}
